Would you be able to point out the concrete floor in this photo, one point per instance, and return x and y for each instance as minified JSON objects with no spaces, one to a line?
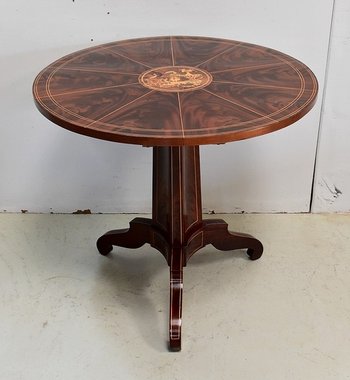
{"x":69,"y":313}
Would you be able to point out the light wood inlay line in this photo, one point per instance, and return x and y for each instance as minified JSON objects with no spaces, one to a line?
{"x":59,"y":106}
{"x":180,"y":114}
{"x":249,"y":67}
{"x":118,"y":109}
{"x":89,"y":90}
{"x":239,"y":105}
{"x":172,"y":51}
{"x":97,"y":71}
{"x":126,"y":57}
{"x":194,"y":156}
{"x":54,"y":101}
{"x":302,"y":86}
{"x":259,"y":85}
{"x":48,"y":85}
{"x":181,"y":170}
{"x":217,"y":55}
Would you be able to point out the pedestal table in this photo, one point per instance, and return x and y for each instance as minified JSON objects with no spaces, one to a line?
{"x":175,"y":94}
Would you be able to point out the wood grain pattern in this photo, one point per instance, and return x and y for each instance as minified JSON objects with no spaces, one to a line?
{"x":97,"y":92}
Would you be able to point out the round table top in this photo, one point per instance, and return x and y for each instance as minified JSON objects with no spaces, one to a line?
{"x":175,"y":91}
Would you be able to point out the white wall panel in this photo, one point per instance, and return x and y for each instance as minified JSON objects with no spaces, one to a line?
{"x":332,"y":180}
{"x":45,"y":168}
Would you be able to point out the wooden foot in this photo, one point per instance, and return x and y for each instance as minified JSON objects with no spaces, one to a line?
{"x":134,"y":237}
{"x":216,"y":233}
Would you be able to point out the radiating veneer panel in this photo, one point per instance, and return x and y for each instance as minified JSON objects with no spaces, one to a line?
{"x":69,"y":81}
{"x":204,"y":111}
{"x":262,"y":101}
{"x":240,"y":56}
{"x":159,"y":114}
{"x":105,"y":59}
{"x":152,"y":53}
{"x":175,"y":90}
{"x":96,"y":105}
{"x":194,"y":51}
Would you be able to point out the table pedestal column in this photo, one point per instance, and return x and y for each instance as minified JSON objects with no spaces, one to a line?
{"x":177,"y":229}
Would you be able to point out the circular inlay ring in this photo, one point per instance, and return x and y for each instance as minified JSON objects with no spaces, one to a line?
{"x":175,"y":78}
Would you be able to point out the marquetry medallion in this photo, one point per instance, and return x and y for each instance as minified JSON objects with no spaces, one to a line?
{"x":175,"y":78}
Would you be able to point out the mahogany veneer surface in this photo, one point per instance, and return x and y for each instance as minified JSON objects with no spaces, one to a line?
{"x":175,"y":91}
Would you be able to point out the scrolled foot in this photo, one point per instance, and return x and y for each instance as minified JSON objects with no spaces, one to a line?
{"x":134,"y":237}
{"x":215,"y":232}
{"x":103,"y":247}
{"x":255,"y":254}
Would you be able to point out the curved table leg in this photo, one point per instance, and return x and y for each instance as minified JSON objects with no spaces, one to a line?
{"x":216,"y":233}
{"x":176,"y":288}
{"x":134,"y":237}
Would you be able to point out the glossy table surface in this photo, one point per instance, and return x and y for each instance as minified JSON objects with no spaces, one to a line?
{"x":176,"y":93}
{"x":170,"y":91}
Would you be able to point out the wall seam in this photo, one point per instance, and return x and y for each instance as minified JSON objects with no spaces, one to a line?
{"x":324,"y":93}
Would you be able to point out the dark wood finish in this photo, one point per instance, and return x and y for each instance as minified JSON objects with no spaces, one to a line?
{"x":249,"y":90}
{"x":176,"y":93}
{"x":177,"y":229}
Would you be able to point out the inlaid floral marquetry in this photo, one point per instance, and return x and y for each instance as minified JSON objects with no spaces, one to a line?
{"x":175,"y":78}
